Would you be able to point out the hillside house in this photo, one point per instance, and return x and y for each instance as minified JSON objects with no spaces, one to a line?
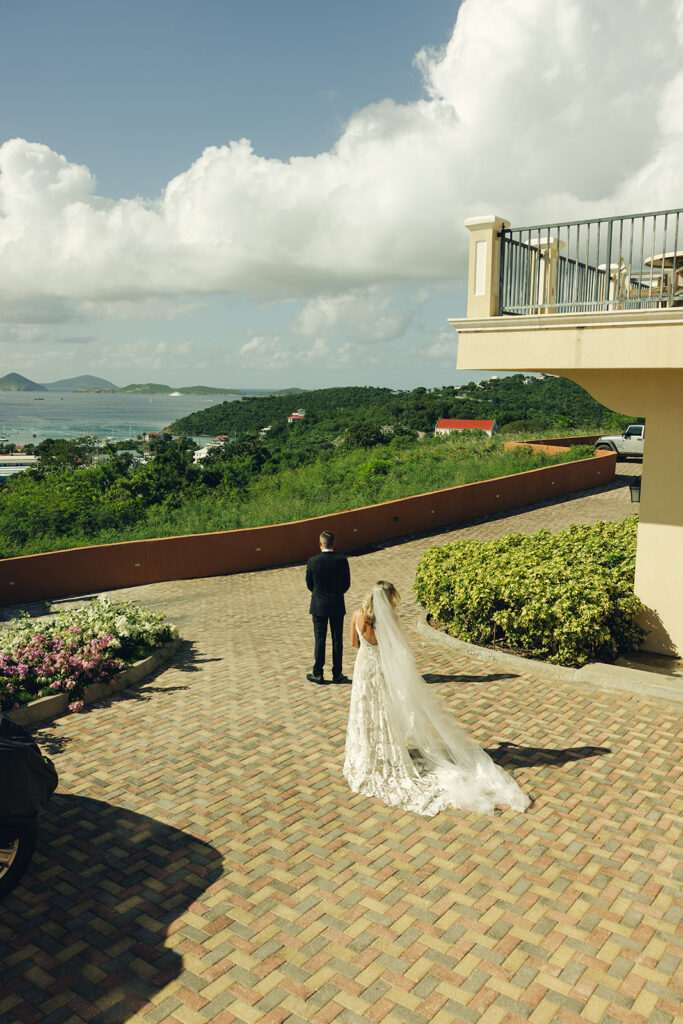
{"x":455,"y":426}
{"x":294,"y":417}
{"x":601,"y":303}
{"x":200,"y":454}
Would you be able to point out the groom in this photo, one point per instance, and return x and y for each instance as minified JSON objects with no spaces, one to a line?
{"x":328,"y":579}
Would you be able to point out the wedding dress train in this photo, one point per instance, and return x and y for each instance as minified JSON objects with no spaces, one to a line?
{"x":402,"y":746}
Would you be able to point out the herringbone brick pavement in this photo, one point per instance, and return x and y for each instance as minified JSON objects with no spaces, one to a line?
{"x":205,"y":861}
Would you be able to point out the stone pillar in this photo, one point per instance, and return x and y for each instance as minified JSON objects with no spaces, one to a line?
{"x":483,"y":289}
{"x":659,"y":562}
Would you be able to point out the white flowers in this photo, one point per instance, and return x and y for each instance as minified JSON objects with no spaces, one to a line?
{"x":128,"y":625}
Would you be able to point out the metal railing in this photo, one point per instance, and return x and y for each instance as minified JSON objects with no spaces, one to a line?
{"x":631,"y":262}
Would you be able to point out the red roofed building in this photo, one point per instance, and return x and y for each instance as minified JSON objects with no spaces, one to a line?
{"x":448,"y":426}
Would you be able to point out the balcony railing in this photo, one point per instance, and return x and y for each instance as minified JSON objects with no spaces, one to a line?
{"x":632,"y":262}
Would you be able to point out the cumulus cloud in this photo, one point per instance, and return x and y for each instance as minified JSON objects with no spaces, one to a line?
{"x":535,"y":109}
{"x":362,"y":312}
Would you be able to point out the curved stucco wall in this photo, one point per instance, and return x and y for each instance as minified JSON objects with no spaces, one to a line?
{"x":133,"y":563}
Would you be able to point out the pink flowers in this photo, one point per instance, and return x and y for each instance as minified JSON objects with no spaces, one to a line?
{"x":65,"y":652}
{"x":65,"y":664}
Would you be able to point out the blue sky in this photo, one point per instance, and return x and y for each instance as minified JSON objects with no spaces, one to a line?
{"x":136,"y":90}
{"x":142,"y":240}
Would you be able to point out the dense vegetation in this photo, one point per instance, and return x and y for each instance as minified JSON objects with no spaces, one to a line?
{"x":356,"y":446}
{"x":566,"y":599}
{"x":519,"y":405}
{"x":67,"y":503}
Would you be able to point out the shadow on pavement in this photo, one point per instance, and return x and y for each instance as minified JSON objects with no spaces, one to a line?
{"x":186,"y":659}
{"x":511,"y":755}
{"x":92,"y":912}
{"x":436,"y":677}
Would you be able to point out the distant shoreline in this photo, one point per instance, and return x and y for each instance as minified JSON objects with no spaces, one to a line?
{"x":160,"y":390}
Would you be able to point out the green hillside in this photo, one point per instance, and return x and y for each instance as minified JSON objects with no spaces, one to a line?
{"x":519,"y":404}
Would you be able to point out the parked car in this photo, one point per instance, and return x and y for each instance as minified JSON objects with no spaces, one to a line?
{"x":630,"y":443}
{"x":27,"y":780}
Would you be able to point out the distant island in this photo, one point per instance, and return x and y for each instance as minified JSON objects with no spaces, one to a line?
{"x":164,"y":389}
{"x":15,"y":382}
{"x":80,"y":383}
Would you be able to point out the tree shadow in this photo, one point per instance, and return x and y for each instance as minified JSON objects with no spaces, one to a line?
{"x":436,"y":677}
{"x":512,"y":755}
{"x":106,"y":882}
{"x":34,"y":610}
{"x":39,"y":609}
{"x":49,"y":740}
{"x":657,"y":632}
{"x":186,"y":659}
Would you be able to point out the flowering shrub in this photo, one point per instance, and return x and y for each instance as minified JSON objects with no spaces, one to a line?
{"x":70,"y":650}
{"x":566,"y":599}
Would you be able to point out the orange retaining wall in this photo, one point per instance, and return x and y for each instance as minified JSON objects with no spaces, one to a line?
{"x":133,"y":563}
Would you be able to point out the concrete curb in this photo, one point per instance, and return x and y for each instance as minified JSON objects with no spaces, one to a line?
{"x":605,"y":677}
{"x":45,"y":709}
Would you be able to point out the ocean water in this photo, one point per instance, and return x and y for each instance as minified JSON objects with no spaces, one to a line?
{"x":29,"y":416}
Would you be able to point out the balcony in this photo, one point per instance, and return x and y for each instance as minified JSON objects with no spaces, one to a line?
{"x":600,"y":302}
{"x":616,"y":263}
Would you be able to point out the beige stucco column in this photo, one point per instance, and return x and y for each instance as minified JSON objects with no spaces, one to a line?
{"x":656,"y":394}
{"x":483,"y":290}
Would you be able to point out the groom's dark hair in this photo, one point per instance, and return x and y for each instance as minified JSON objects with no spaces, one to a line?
{"x":327,"y":539}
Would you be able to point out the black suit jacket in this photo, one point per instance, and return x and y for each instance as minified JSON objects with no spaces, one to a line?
{"x":328,"y":578}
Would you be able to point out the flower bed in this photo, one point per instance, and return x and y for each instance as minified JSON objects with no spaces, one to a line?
{"x":73,"y":649}
{"x":565,"y":598}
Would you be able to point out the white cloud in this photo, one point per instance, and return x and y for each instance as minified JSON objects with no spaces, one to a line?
{"x":535,"y":109}
{"x":145,"y":355}
{"x":443,"y":346}
{"x":362,"y":312}
{"x":280,"y":352}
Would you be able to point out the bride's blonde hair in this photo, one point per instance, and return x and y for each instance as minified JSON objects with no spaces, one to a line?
{"x":367,"y":607}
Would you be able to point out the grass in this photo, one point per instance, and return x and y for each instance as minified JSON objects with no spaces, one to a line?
{"x":339,"y":479}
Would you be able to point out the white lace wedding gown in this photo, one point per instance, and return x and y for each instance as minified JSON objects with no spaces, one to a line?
{"x":403,"y":747}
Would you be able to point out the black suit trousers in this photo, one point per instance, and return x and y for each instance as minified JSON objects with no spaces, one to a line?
{"x":336,"y":623}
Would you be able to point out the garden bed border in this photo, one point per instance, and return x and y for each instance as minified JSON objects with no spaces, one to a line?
{"x":45,"y":709}
{"x":638,"y":682}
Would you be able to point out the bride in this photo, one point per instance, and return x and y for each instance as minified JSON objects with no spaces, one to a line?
{"x":402,"y":746}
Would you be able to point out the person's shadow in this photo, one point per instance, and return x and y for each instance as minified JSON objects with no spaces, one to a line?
{"x":511,"y":755}
{"x":91,"y":914}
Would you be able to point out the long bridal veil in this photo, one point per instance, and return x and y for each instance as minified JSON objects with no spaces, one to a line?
{"x":468,"y":777}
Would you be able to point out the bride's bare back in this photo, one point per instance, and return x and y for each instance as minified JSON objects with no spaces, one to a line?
{"x":359,"y":624}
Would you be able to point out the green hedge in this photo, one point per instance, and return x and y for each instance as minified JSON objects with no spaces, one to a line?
{"x":565,"y":598}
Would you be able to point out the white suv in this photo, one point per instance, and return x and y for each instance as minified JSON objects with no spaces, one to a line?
{"x":627,"y":444}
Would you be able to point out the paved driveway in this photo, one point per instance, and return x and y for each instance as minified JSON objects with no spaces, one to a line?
{"x":205,"y":861}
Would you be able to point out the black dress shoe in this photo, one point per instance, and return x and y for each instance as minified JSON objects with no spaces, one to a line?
{"x":316,"y":679}
{"x":341,"y":679}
